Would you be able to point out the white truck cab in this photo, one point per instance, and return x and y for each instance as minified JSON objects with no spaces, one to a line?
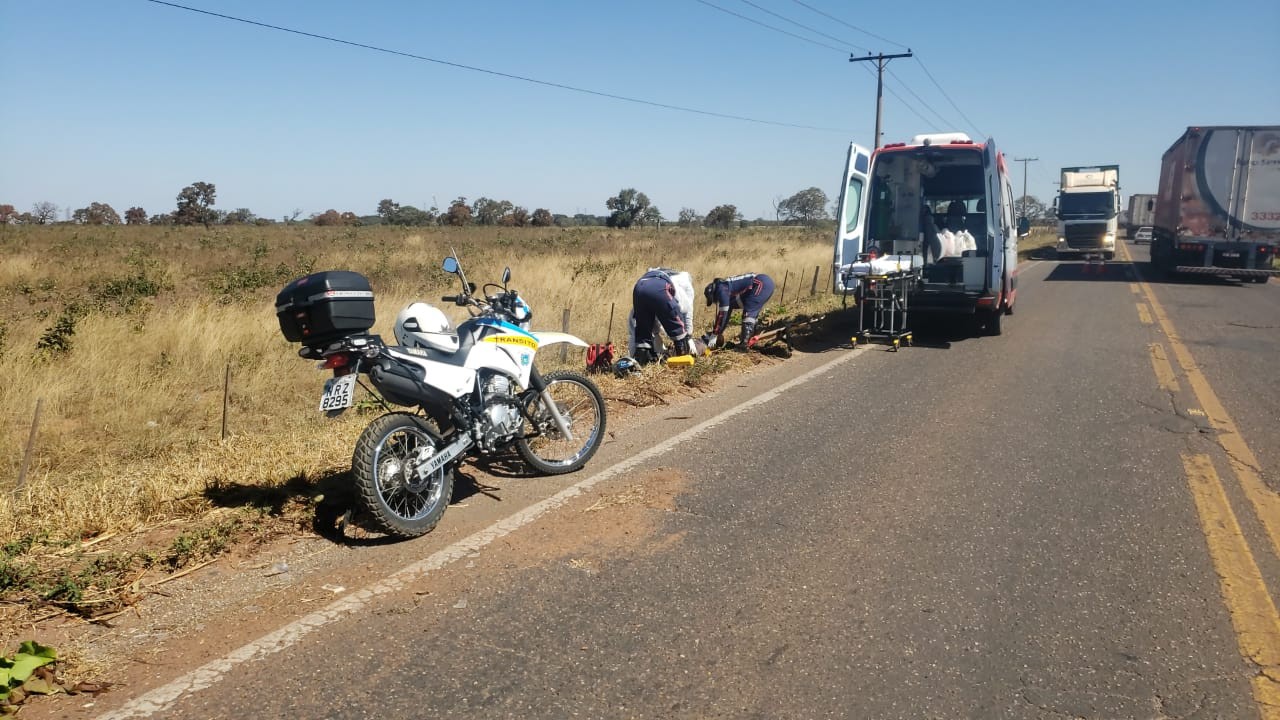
{"x":893,"y":198}
{"x":1088,"y":210}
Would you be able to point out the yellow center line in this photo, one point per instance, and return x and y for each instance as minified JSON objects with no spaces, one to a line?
{"x":1144,"y":314}
{"x":1164,"y":371}
{"x":1253,"y":614}
{"x":1244,"y":463}
{"x":1134,"y":288}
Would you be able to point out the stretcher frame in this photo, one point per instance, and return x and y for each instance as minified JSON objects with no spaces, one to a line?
{"x":883,"y":302}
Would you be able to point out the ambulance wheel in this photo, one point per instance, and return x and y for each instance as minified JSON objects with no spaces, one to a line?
{"x":994,"y":325}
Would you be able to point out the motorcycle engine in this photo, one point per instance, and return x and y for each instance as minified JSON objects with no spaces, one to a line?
{"x":500,"y":416}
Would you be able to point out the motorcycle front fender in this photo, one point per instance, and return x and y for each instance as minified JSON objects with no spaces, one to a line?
{"x":551,"y":338}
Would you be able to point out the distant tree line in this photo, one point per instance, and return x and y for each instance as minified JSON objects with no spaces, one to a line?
{"x":1030,"y":207}
{"x":629,"y":208}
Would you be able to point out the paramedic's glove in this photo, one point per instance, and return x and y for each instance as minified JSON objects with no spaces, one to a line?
{"x":711,"y":340}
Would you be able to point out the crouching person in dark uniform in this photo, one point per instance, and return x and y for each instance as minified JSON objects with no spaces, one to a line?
{"x":654,"y":301}
{"x":748,"y":292}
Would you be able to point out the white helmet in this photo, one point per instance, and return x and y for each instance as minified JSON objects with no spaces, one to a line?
{"x":420,"y":325}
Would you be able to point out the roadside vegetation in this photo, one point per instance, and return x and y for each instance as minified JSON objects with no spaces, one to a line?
{"x":1039,"y":244}
{"x":127,"y":336}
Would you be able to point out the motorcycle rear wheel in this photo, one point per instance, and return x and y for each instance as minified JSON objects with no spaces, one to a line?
{"x":582,"y":406}
{"x":399,"y":502}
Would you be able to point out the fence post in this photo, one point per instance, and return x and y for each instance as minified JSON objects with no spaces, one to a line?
{"x":226,"y":398}
{"x":564,"y":347}
{"x":31,"y":442}
{"x":813,"y":289}
{"x":786,"y":275}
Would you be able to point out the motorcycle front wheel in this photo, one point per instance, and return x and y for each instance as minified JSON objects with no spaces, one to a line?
{"x":543,"y":446}
{"x":384,"y":467}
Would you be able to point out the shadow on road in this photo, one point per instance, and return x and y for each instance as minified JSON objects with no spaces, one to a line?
{"x":505,"y":465}
{"x":1041,"y":253}
{"x":1079,"y":270}
{"x":329,"y":503}
{"x":936,"y":331}
{"x":1092,"y":271}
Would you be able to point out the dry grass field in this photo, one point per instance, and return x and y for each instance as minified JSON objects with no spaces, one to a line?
{"x":125,"y":335}
{"x":1039,"y":243}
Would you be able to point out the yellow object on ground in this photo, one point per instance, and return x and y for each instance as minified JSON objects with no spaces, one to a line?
{"x":680,"y":361}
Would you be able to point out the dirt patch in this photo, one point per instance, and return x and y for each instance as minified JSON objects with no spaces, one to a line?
{"x":606,"y":523}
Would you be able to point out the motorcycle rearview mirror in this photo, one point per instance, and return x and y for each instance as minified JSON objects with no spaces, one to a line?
{"x":1024,"y":227}
{"x":450,"y":264}
{"x":506,"y":276}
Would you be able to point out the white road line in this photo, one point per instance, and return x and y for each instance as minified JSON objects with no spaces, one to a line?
{"x":205,"y":676}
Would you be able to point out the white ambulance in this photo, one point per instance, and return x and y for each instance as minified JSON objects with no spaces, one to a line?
{"x":945,"y":202}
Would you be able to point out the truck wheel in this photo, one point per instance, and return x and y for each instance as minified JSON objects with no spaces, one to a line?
{"x":1108,"y":256}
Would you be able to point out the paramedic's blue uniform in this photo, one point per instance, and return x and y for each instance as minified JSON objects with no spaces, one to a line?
{"x":749,"y":292}
{"x":654,"y":298}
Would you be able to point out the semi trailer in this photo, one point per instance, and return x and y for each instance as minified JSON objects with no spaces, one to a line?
{"x":1217,"y":210}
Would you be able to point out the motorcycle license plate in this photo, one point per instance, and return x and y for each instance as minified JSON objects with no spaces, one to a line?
{"x":339,"y":393}
{"x":1230,"y":254}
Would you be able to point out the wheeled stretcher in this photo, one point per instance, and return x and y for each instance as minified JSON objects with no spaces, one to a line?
{"x":882,"y":292}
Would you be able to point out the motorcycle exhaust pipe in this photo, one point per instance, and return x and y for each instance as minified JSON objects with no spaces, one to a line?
{"x":445,"y":456}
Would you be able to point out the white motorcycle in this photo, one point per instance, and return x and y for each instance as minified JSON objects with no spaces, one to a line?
{"x":477,"y":391}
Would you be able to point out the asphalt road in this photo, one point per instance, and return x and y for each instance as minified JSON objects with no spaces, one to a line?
{"x":1019,"y":526}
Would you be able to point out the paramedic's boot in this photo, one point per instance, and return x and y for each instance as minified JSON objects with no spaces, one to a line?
{"x":747,"y":339}
{"x":645,"y":354}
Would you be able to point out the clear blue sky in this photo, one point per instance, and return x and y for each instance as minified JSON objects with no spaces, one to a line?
{"x":126,"y":101}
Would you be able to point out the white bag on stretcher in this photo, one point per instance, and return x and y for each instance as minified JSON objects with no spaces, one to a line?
{"x":683,"y":284}
{"x":886,"y":265}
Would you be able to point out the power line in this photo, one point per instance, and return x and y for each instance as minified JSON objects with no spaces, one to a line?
{"x":496,"y":73}
{"x":771,"y":27}
{"x":820,"y":33}
{"x":926,"y":105}
{"x":820,"y":44}
{"x":854,"y":27}
{"x":972,"y":124}
{"x":829,"y":16}
{"x":880,"y":61}
{"x":904,"y":102}
{"x":906,"y":87}
{"x":815,"y":31}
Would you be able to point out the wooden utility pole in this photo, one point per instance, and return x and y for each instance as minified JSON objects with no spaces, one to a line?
{"x":1022,"y":206}
{"x":880,"y":59}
